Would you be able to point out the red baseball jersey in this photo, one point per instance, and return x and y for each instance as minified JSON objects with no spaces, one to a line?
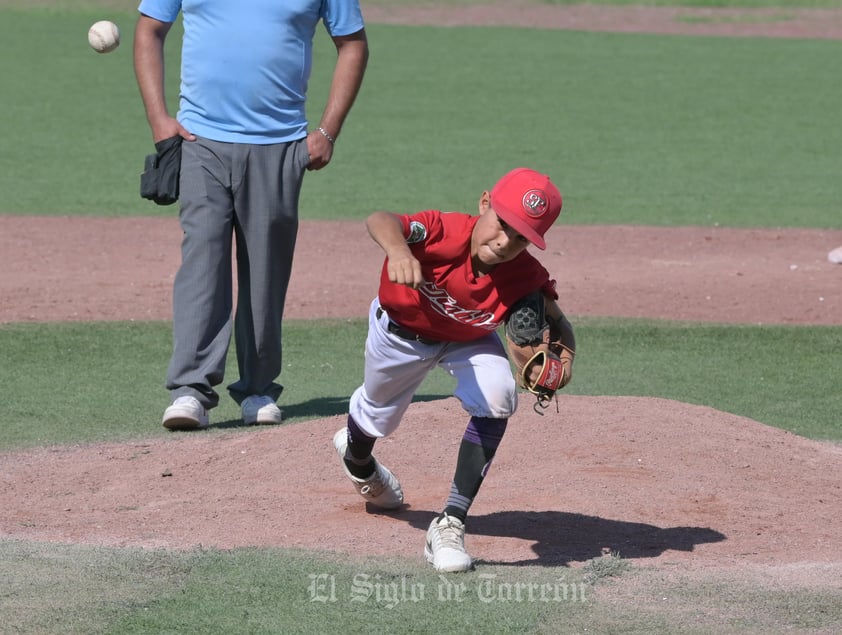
{"x":454,"y":305}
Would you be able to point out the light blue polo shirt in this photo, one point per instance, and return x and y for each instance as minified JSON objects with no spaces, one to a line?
{"x":245,"y":64}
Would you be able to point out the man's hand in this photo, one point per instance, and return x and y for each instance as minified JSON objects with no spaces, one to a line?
{"x":320,"y":150}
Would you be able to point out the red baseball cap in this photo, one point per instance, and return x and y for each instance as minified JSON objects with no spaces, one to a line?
{"x":528,"y":202}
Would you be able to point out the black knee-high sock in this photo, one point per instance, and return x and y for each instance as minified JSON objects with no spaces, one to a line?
{"x":358,"y":455}
{"x":479,"y":445}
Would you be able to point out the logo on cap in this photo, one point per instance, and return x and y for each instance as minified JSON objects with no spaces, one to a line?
{"x":535,"y":203}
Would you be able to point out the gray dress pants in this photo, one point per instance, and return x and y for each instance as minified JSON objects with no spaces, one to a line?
{"x":248,"y":194}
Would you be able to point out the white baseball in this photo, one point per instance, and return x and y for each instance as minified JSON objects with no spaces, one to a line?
{"x":104,"y":36}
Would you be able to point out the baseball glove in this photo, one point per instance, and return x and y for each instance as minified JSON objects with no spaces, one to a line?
{"x":160,"y":179}
{"x":542,"y":362}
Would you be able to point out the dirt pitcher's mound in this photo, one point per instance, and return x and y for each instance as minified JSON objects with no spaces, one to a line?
{"x":655,"y":480}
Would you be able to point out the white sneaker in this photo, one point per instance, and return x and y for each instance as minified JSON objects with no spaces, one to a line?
{"x":445,"y":548}
{"x":185,"y":413}
{"x":381,"y":488}
{"x":261,"y":410}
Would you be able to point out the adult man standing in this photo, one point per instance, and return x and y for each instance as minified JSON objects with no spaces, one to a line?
{"x":244,"y":73}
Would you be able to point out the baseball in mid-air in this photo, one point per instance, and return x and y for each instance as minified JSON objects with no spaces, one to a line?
{"x":104,"y":36}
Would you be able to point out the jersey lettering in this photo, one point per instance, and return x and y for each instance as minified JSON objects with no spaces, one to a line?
{"x":444,"y":304}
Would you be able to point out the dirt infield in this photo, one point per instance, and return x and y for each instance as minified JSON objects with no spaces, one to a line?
{"x":657,"y":480}
{"x":785,"y":23}
{"x":56,"y":272}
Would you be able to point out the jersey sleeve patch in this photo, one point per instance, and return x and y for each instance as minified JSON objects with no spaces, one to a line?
{"x":417,"y":232}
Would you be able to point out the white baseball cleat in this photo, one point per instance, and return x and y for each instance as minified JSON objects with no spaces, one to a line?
{"x":445,"y":548}
{"x":185,"y":413}
{"x":381,"y":488}
{"x":260,"y":410}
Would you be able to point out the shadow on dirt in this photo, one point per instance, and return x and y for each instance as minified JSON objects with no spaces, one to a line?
{"x":561,"y":538}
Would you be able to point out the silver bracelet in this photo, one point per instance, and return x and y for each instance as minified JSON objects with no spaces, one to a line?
{"x":327,"y":136}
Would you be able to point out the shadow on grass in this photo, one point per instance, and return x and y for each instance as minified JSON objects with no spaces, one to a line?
{"x":314,"y":409}
{"x":561,"y":537}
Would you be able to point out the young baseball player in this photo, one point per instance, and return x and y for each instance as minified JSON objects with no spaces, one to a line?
{"x":447,"y":284}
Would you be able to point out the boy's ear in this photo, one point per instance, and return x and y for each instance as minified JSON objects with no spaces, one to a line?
{"x":484,"y":202}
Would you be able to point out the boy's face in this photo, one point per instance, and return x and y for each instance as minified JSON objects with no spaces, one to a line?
{"x":493,"y":241}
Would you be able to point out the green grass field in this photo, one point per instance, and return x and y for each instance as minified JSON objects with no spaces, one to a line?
{"x":657,"y":130}
{"x":642,"y":129}
{"x":87,"y":365}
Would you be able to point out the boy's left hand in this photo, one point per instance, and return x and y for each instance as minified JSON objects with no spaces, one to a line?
{"x":542,"y":374}
{"x":544,"y":364}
